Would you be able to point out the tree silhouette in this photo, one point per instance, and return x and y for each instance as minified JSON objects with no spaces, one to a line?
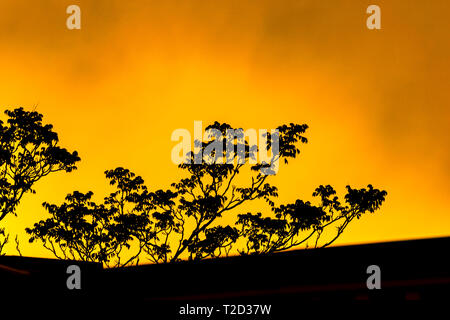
{"x":186,"y":220}
{"x":29,"y":151}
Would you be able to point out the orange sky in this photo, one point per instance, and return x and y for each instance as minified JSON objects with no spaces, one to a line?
{"x":377,"y":102}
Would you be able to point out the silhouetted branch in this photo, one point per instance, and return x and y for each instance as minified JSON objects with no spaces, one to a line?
{"x":17,"y":245}
{"x":4,"y":238}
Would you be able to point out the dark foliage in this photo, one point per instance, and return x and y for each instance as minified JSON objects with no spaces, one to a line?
{"x":29,"y":151}
{"x":189,"y":220}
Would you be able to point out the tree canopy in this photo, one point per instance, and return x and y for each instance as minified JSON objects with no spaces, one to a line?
{"x":191,"y":219}
{"x":29,"y":151}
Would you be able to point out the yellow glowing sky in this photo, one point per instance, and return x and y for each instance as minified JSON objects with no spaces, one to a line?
{"x":377,"y":102}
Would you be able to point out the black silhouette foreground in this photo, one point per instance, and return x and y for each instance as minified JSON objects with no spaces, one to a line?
{"x":29,"y":151}
{"x":191,"y":220}
{"x":288,"y":281}
{"x":203,"y":215}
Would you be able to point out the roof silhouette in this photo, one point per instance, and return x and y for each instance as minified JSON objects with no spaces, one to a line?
{"x":413,"y":269}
